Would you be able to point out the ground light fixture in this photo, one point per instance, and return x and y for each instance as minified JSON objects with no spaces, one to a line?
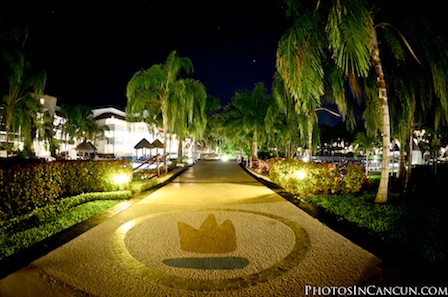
{"x":121,"y":179}
{"x":300,"y":174}
{"x":225,"y":158}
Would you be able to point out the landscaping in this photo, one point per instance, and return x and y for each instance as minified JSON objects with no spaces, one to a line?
{"x":41,"y":199}
{"x":410,"y":231}
{"x":24,"y":231}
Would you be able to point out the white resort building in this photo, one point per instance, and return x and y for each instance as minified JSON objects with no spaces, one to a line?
{"x":120,"y":138}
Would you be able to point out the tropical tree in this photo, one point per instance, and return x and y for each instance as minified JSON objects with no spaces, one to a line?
{"x":281,"y":122}
{"x":79,"y":124}
{"x":253,"y":107}
{"x":417,"y":84}
{"x":187,"y":111}
{"x":212,"y":130}
{"x":45,"y":131}
{"x":230,"y":131}
{"x":365,"y":144}
{"x":27,"y":113}
{"x":67,"y":125}
{"x":23,"y":80}
{"x":345,"y":33}
{"x":148,"y":92}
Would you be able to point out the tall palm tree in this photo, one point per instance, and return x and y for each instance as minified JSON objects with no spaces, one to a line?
{"x":45,"y":131}
{"x":212,"y":129}
{"x":345,"y":33}
{"x":149,"y":90}
{"x":23,"y":79}
{"x":79,"y":124}
{"x":67,"y":126}
{"x":365,"y":143}
{"x":201,"y":108}
{"x":282,"y":122}
{"x":253,"y":106}
{"x":229,"y":129}
{"x":27,"y":113}
{"x":187,"y":111}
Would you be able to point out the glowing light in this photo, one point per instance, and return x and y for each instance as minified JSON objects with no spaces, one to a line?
{"x":121,"y":179}
{"x":225,"y":158}
{"x":190,"y":161}
{"x":300,"y":174}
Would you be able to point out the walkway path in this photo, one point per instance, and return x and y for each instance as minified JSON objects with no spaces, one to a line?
{"x":212,"y":231}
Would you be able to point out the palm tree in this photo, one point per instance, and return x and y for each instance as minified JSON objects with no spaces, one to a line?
{"x":27,"y":116}
{"x":86,"y":128}
{"x":79,"y":124}
{"x":213,"y":128}
{"x":253,"y":107}
{"x":187,"y":111}
{"x":282,"y":122}
{"x":67,"y":127}
{"x":23,"y":79}
{"x":344,"y":33}
{"x":365,"y":143}
{"x":149,"y":91}
{"x":45,"y":131}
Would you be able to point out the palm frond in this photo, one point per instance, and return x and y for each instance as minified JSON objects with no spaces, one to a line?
{"x":350,"y":31}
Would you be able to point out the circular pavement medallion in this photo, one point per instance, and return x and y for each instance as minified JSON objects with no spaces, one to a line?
{"x":209,"y":249}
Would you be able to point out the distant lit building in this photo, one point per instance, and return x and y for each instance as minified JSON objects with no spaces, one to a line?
{"x":122,"y":136}
{"x":119,"y":139}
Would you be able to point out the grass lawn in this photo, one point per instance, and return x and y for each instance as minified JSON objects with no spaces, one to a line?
{"x":23,"y":232}
{"x":410,"y":231}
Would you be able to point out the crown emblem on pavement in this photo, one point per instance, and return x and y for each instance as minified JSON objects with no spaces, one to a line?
{"x":209,"y":238}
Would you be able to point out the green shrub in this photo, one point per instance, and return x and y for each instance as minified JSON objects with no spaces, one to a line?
{"x":143,"y":185}
{"x":26,"y":187}
{"x":311,"y":178}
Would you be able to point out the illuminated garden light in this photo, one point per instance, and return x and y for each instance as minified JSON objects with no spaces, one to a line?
{"x":300,"y":174}
{"x":225,"y":158}
{"x":121,"y":179}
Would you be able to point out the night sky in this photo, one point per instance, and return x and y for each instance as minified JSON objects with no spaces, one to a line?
{"x":91,"y":51}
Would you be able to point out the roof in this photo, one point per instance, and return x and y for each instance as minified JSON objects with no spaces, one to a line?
{"x":108,"y":112}
{"x":143,"y":144}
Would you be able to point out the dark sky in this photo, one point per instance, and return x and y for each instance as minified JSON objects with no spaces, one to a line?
{"x":90,"y":51}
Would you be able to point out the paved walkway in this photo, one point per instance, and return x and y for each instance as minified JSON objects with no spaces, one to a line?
{"x":212,"y":231}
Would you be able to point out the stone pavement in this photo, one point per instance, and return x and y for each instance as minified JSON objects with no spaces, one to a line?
{"x":214,"y":230}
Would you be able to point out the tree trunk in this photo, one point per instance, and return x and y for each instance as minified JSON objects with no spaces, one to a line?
{"x":409,"y":151}
{"x":383,"y":188}
{"x":179,"y":150}
{"x":255,"y":144}
{"x":165,"y":130}
{"x":401,"y":163}
{"x":8,"y":121}
{"x":309,"y":150}
{"x":367,"y":162}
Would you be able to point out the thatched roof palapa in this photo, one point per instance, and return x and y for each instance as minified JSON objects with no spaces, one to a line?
{"x":143,"y":144}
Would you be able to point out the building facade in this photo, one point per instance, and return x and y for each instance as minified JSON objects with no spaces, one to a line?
{"x":121,"y":136}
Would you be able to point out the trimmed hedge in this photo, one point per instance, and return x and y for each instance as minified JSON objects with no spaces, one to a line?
{"x":25,"y":187}
{"x":317,"y":178}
